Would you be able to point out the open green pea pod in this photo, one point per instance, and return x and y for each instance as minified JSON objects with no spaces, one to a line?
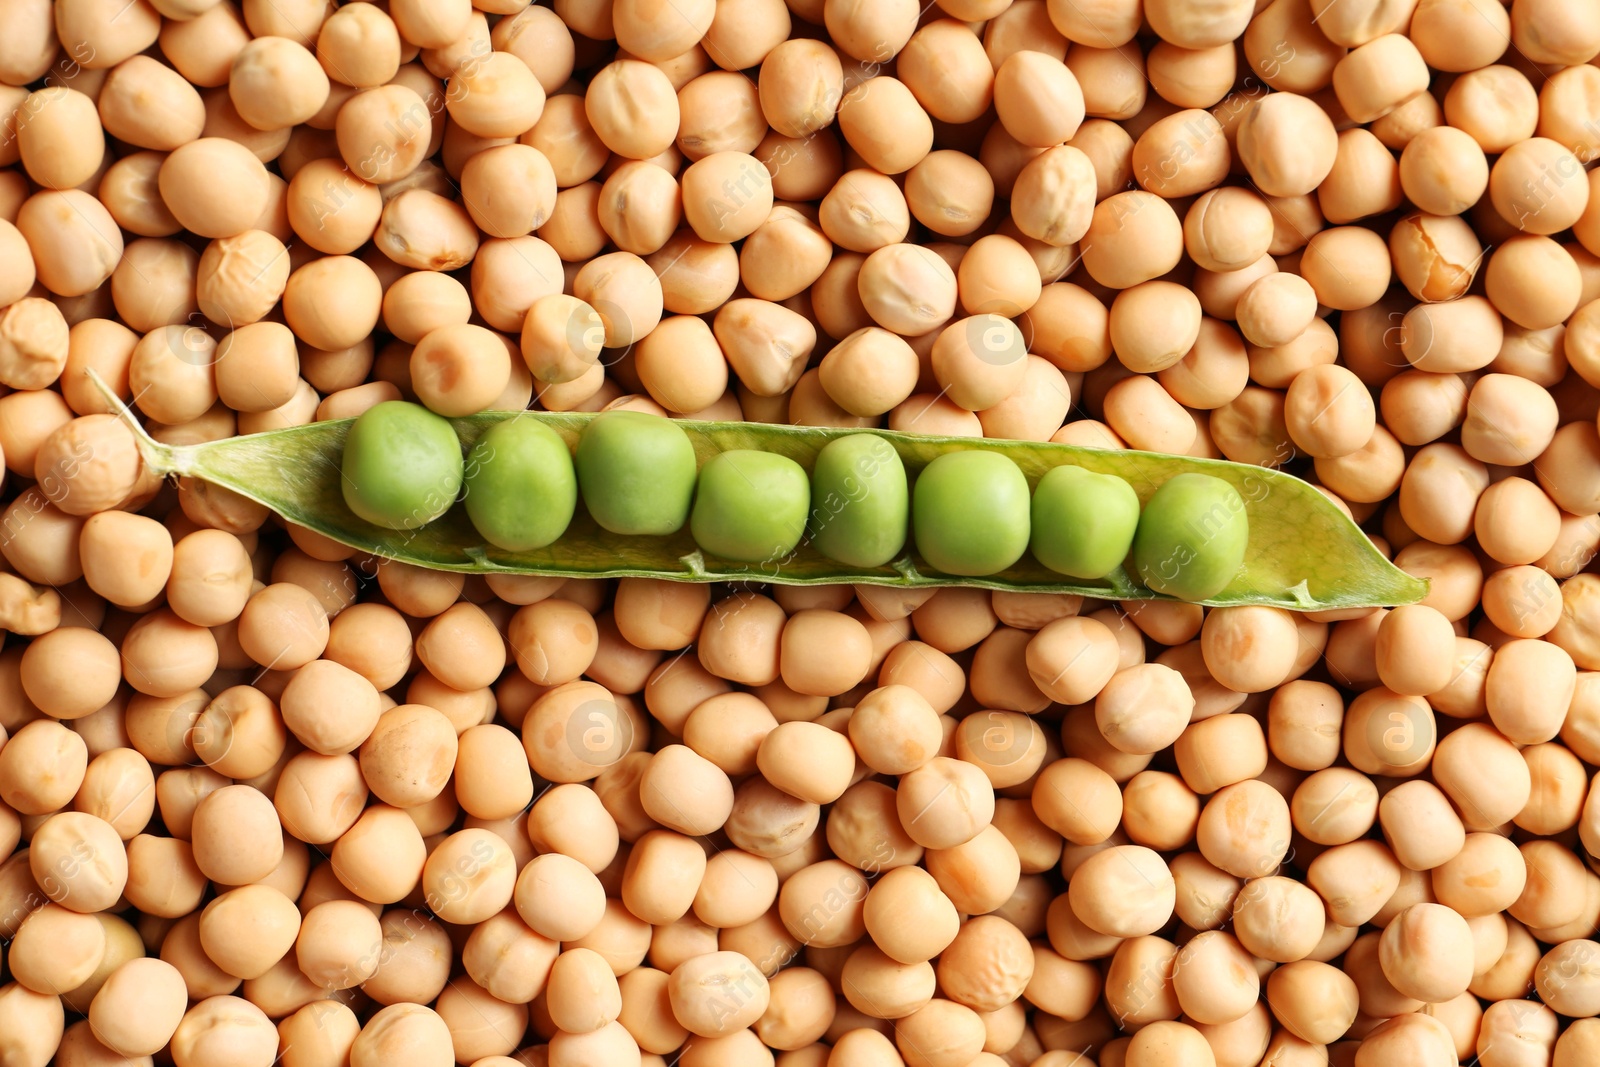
{"x":1303,"y":553}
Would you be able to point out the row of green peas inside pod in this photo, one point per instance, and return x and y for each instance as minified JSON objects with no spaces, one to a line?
{"x":970,"y":512}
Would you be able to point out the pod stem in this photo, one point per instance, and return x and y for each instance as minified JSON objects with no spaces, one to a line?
{"x":163,"y":459}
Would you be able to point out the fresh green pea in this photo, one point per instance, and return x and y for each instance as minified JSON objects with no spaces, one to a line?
{"x":969,"y":513}
{"x":636,"y":472}
{"x":521,"y":489}
{"x":402,"y":465}
{"x":750,"y":506}
{"x":859,"y":501}
{"x":1192,"y":537}
{"x":1083,"y":522}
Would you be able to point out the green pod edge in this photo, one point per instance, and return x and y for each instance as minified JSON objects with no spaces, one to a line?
{"x":1304,"y":553}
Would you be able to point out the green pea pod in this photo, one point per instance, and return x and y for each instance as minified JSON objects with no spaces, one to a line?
{"x":1303,"y":553}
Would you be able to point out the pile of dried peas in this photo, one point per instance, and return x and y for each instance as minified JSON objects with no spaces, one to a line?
{"x":265,"y":799}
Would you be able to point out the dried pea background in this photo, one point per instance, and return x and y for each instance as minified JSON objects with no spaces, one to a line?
{"x":265,"y":798}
